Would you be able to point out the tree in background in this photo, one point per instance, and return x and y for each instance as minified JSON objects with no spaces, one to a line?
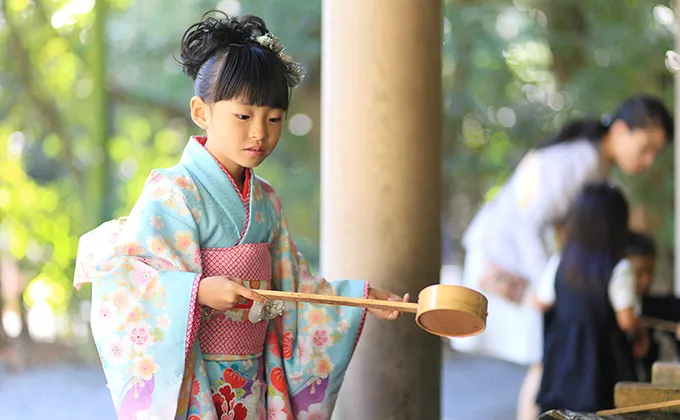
{"x":512,"y":74}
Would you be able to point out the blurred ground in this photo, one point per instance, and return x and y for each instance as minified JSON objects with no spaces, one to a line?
{"x":473,"y":388}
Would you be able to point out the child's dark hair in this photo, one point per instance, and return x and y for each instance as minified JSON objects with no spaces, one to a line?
{"x":238,"y":58}
{"x":640,"y":111}
{"x":596,"y":233}
{"x":640,"y":245}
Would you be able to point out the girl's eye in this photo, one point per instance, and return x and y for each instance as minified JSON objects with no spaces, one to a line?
{"x":243,"y":117}
{"x":275,"y":120}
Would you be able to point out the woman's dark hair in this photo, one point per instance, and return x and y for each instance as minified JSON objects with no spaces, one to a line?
{"x":640,"y":245}
{"x":640,"y":111}
{"x":596,"y":233}
{"x":238,"y":58}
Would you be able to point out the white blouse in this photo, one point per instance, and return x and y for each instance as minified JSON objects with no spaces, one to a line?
{"x":621,"y":288}
{"x":509,"y":231}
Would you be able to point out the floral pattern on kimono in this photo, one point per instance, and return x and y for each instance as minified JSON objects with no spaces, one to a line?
{"x":149,"y":330}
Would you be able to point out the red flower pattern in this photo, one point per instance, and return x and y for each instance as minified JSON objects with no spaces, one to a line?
{"x":278,"y":379}
{"x":233,"y":378}
{"x":273,"y":343}
{"x":226,"y":405}
{"x":287,"y":345}
{"x":195,"y":387}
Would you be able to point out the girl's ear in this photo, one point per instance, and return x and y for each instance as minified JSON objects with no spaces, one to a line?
{"x":199,"y":112}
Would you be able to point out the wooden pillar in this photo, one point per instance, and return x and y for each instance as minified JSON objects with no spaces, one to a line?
{"x":676,"y":151}
{"x":381,"y":170}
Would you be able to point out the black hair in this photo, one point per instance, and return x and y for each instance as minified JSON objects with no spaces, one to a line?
{"x":238,"y":58}
{"x":596,"y":233}
{"x":639,"y":111}
{"x":640,"y":245}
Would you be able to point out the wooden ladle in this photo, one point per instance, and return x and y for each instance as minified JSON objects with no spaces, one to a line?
{"x":443,"y":310}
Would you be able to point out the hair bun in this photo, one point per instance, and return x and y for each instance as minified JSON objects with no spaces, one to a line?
{"x":204,"y":39}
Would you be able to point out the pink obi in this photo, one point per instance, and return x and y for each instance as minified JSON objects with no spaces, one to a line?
{"x":230,"y":332}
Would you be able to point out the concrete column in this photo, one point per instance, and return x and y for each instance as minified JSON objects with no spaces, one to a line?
{"x":381,"y":170}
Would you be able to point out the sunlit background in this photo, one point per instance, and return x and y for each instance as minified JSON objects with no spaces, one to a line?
{"x":513,"y":72}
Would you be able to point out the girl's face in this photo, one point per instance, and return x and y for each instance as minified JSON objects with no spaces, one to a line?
{"x":635,"y":150}
{"x":239,"y":135}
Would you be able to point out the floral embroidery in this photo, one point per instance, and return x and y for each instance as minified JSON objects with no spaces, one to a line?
{"x":183,"y":240}
{"x":163,"y":321}
{"x":287,"y":345}
{"x":321,"y":337}
{"x":314,"y":412}
{"x":156,"y":244}
{"x":278,"y":379}
{"x":135,"y":308}
{"x":140,"y":336}
{"x":233,"y":378}
{"x":117,"y":350}
{"x":133,"y":249}
{"x":226,"y":405}
{"x":323,"y":365}
{"x":157,"y":222}
{"x":145,"y":367}
{"x":276,"y":409}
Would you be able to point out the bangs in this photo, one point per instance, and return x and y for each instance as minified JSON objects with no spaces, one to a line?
{"x":253,"y":75}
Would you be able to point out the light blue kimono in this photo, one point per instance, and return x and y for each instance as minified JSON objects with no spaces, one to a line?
{"x":164,"y":355}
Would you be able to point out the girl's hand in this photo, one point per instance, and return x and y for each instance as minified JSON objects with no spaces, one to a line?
{"x":383,"y":295}
{"x":222,"y":293}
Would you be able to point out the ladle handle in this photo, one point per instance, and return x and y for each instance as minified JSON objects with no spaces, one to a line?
{"x":340,"y":300}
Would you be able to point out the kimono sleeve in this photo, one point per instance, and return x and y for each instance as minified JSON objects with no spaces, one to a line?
{"x":310,"y":346}
{"x":145,"y":270}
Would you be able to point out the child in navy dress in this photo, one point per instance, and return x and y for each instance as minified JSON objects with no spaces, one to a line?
{"x":588,"y":296}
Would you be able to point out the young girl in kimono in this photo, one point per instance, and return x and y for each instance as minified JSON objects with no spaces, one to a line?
{"x":589,"y":295}
{"x":507,"y":244}
{"x":173,"y":284}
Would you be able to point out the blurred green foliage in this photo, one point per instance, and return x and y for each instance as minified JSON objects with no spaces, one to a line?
{"x":513,"y":72}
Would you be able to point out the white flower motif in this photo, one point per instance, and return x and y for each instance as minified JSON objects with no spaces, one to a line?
{"x":120,"y":299}
{"x":205,"y":398}
{"x":143,"y":415}
{"x":142,"y":274}
{"x":296,"y":377}
{"x":145,"y":367}
{"x":157,"y":222}
{"x":275,"y":409}
{"x":163,"y":321}
{"x":321,"y":337}
{"x":314,"y":412}
{"x":117,"y":350}
{"x":343,"y":325}
{"x":305,"y":350}
{"x":139,"y":333}
{"x":104,"y":313}
{"x":323,"y":365}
